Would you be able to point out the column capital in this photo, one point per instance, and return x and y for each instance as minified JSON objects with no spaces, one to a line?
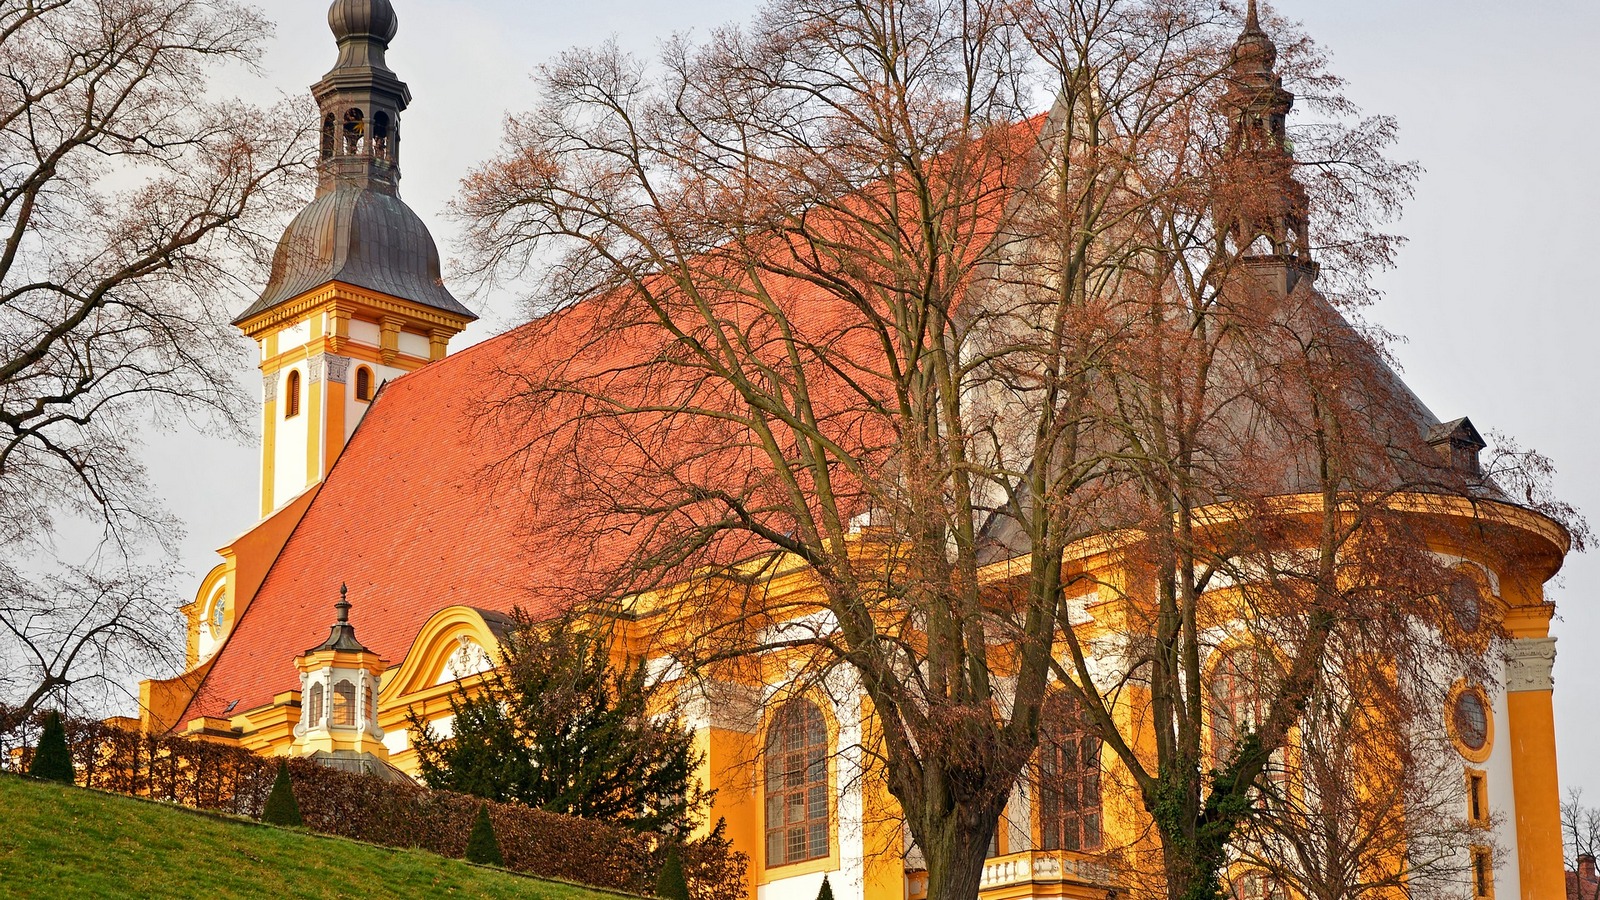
{"x":1529,"y":662}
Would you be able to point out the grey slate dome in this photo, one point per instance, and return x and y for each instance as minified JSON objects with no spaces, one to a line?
{"x":361,"y":237}
{"x":362,"y":18}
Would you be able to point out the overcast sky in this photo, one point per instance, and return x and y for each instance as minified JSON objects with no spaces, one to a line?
{"x":1494,"y":294}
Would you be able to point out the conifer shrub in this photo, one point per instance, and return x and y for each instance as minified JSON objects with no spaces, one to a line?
{"x":671,"y":883}
{"x":827,"y":890}
{"x":482,"y":848}
{"x":52,"y":761}
{"x":281,"y":808}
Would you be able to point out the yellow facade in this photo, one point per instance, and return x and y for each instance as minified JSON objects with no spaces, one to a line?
{"x":325,"y":337}
{"x":866,"y":846}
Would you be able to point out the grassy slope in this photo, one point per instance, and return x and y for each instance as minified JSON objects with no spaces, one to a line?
{"x":67,"y":842}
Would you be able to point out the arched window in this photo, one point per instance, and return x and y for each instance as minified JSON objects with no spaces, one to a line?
{"x":291,"y":395}
{"x":354,"y":127}
{"x":1069,"y":780}
{"x":363,"y":383}
{"x":219,"y":612}
{"x":367,"y":712}
{"x":1255,"y":885}
{"x":797,"y":785}
{"x":380,"y":135}
{"x":315,"y":719}
{"x":1239,"y":681}
{"x":344,"y":703}
{"x":1465,"y":597}
{"x":328,"y":127}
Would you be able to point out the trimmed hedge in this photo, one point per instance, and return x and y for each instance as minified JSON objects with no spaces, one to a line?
{"x":215,"y":776}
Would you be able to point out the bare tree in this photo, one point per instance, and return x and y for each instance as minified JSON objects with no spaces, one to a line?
{"x":837,"y":304}
{"x":1369,"y":799}
{"x":1580,"y":827}
{"x":133,"y":210}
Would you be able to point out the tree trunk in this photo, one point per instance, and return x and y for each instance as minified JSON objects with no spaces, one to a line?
{"x":954,"y":849}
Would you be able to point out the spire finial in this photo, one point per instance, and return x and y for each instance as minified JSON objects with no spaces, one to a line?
{"x":343,"y":606}
{"x":1252,"y":21}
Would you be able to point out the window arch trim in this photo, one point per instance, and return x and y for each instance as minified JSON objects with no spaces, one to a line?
{"x":291,"y":394}
{"x":1069,"y":807}
{"x":798,"y":797}
{"x":1222,"y":731}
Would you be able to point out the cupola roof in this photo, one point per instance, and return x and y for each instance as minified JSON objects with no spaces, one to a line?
{"x":361,"y":237}
{"x":358,"y":230}
{"x":342,"y":636}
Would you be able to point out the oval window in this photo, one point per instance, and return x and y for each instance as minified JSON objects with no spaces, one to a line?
{"x":1466,"y":602}
{"x":1471,"y":720}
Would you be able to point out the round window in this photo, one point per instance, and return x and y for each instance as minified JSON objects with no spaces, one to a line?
{"x":1471,"y":719}
{"x":1466,"y":602}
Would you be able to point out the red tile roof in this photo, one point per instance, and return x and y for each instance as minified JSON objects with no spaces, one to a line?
{"x":436,"y":502}
{"x":431,"y":505}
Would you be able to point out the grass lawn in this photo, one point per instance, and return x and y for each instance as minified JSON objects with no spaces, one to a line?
{"x":57,"y":841}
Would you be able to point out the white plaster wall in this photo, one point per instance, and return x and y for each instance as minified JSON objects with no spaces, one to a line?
{"x":804,"y":887}
{"x":1502,"y":799}
{"x":289,"y":445}
{"x":295,"y":335}
{"x":354,"y":410}
{"x":398,"y":740}
{"x":413,"y":344}
{"x":365,"y":332}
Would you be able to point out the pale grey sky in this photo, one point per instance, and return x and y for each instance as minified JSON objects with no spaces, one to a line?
{"x":1494,"y":293}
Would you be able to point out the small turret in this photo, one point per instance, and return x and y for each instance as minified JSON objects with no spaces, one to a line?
{"x":339,"y":681}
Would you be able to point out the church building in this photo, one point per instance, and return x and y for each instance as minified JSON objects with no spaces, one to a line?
{"x":385,"y":568}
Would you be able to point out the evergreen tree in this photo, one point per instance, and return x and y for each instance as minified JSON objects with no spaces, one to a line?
{"x":282,"y":808}
{"x":482,"y":846}
{"x":52,"y":760}
{"x":671,"y":883}
{"x":557,"y":727}
{"x":827,"y":890}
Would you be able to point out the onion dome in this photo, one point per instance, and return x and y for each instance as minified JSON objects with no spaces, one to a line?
{"x":358,"y":231}
{"x":1254,"y":52}
{"x":352,"y":19}
{"x":366,"y":238}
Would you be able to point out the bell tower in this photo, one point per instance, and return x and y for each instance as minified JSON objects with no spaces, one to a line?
{"x":356,"y":297}
{"x":1263,"y":207}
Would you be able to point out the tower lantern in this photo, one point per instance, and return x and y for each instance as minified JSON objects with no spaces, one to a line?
{"x":1263,"y":207}
{"x":339,"y":681}
{"x":356,"y":297}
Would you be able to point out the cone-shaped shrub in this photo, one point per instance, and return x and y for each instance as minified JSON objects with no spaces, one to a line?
{"x":670,"y":884}
{"x":281,"y":808}
{"x":482,"y":848}
{"x":52,"y":761}
{"x":827,"y":890}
